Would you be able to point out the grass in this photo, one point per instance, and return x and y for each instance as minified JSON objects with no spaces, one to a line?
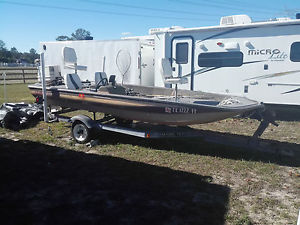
{"x":50,"y":178}
{"x":15,"y":93}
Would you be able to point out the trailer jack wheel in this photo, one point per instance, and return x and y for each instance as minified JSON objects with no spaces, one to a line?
{"x":81,"y":133}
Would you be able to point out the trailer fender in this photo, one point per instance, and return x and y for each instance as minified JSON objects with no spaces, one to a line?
{"x":85,"y":120}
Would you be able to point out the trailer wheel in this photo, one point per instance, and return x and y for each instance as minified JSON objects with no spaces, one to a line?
{"x":81,"y":133}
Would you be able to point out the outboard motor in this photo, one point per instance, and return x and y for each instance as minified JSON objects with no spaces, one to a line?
{"x":298,"y":16}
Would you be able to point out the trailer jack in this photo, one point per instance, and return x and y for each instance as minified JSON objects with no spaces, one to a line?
{"x":267,"y":117}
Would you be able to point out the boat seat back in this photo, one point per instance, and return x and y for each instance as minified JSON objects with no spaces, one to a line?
{"x":100,"y":79}
{"x":70,"y":59}
{"x":69,"y":55}
{"x":112,"y":80}
{"x":166,"y":68}
{"x":73,"y":82}
{"x":168,"y":73}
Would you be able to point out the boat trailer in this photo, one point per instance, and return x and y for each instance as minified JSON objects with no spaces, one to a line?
{"x":85,"y":128}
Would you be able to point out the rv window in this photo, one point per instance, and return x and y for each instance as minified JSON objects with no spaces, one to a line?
{"x":295,"y":52}
{"x":182,"y":52}
{"x":220,"y":59}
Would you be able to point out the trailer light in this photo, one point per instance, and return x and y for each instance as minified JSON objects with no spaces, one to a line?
{"x":81,"y":95}
{"x":38,"y":99}
{"x":147,"y":135}
{"x":220,"y":44}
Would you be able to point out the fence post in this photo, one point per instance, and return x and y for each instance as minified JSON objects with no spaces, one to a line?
{"x":44,"y":88}
{"x":23,"y":74}
{"x":4,"y":87}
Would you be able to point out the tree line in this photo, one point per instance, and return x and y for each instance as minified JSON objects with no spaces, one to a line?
{"x":14,"y":56}
{"x":79,"y":34}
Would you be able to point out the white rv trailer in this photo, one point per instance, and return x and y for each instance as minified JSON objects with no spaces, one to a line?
{"x":127,"y":59}
{"x":259,"y":60}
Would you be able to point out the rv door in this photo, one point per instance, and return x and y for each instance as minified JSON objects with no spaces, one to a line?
{"x":147,"y":65}
{"x":182,"y":63}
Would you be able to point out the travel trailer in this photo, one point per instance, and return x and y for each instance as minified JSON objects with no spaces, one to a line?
{"x":127,"y":59}
{"x":258,"y":60}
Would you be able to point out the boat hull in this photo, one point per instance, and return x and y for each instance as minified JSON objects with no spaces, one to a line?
{"x":140,"y":109}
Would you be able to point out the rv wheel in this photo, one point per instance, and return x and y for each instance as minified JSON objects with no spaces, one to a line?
{"x":81,"y":133}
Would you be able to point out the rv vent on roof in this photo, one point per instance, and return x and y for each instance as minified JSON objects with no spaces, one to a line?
{"x":235,"y":19}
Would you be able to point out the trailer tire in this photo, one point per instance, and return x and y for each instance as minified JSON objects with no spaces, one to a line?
{"x":11,"y":121}
{"x":80,"y":132}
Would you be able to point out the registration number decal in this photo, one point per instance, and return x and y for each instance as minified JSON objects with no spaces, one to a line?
{"x":180,"y":110}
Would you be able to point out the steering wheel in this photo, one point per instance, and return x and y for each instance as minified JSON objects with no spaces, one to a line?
{"x":102,"y":82}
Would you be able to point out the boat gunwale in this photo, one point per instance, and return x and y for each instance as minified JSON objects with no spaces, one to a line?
{"x":254,"y":105}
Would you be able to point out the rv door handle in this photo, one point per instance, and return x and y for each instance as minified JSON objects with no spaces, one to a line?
{"x":144,"y":65}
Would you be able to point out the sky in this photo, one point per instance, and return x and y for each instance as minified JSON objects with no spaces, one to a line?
{"x":25,"y":23}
